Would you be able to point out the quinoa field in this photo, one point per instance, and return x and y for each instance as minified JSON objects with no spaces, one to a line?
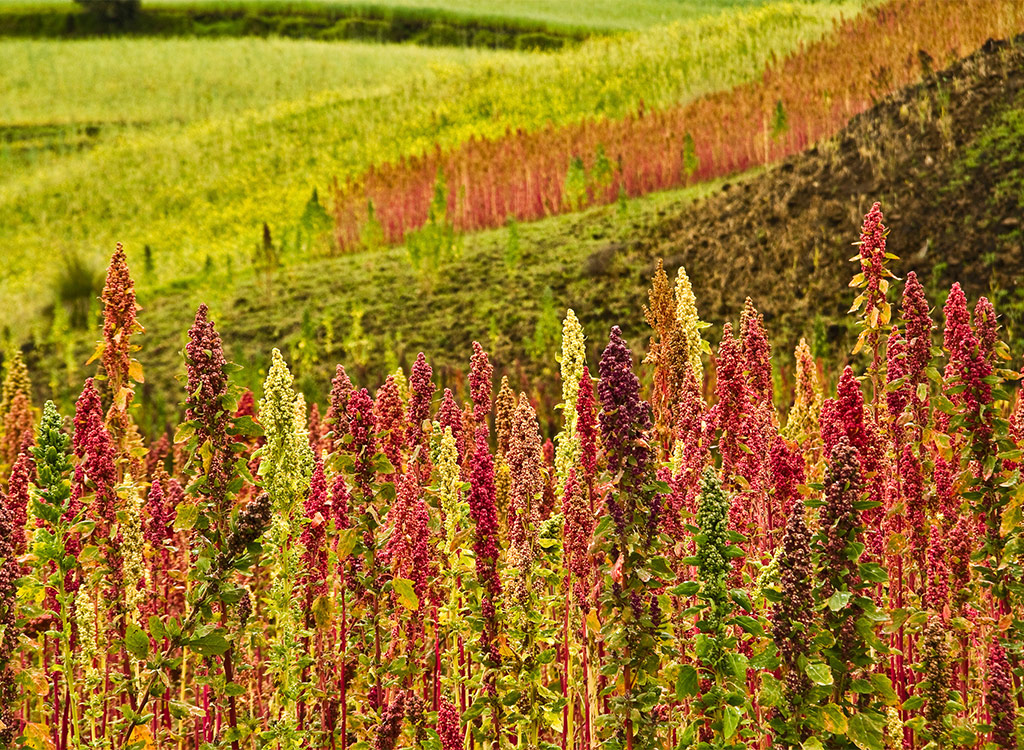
{"x":436,"y":375}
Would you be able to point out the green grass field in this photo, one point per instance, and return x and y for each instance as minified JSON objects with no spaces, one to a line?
{"x":199,"y":192}
{"x":153,"y":81}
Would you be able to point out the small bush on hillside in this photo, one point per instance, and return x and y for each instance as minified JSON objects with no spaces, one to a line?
{"x":76,"y":288}
{"x":539,"y":41}
{"x":114,"y":11}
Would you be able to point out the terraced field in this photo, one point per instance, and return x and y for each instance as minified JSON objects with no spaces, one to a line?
{"x":212,"y":183}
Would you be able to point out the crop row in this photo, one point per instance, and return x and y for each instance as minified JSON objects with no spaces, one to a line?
{"x":812,"y":93}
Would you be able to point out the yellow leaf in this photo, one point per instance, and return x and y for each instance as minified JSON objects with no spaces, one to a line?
{"x":859,"y":345}
{"x":135,"y":371}
{"x":1012,"y":516}
{"x":40,"y":684}
{"x":1004,"y":624}
{"x":503,"y":648}
{"x":100,"y":346}
{"x":886,"y":313}
{"x":346,"y":543}
{"x":322,"y":611}
{"x":142,"y":734}
{"x":38,"y":736}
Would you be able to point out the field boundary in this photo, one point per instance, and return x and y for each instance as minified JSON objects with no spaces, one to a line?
{"x":326,"y":22}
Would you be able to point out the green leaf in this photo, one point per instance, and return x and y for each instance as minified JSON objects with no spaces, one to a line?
{"x":812,"y":743}
{"x":660,"y":567}
{"x":873,"y":573}
{"x":83,"y":527}
{"x":246,"y":426}
{"x":737,"y":664}
{"x":883,"y":687}
{"x":819,"y":673}
{"x":211,"y":644}
{"x":686,"y":682}
{"x":689,"y":588}
{"x":730,"y":721}
{"x":770,"y":693}
{"x":835,"y":719}
{"x":866,"y":732}
{"x":136,"y":641}
{"x":742,"y":599}
{"x":186,"y":516}
{"x":185,"y":432}
{"x":963,"y":736}
{"x":913,"y":703}
{"x":749,"y":624}
{"x":859,"y":685}
{"x":838,"y":600}
{"x":180,"y":710}
{"x":406,"y":595}
{"x":156,"y":628}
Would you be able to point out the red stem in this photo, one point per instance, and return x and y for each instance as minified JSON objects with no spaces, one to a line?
{"x":344,"y":659}
{"x":565,"y":664}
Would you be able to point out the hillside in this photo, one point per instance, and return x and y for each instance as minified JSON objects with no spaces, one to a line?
{"x":199,"y":191}
{"x":512,"y":393}
{"x":783,"y":235}
{"x":943,"y":157}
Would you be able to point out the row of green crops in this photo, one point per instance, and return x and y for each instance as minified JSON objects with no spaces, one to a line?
{"x":229,"y":175}
{"x":682,"y":566}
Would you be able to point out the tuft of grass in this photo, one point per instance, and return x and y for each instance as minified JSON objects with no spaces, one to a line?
{"x":77,"y":287}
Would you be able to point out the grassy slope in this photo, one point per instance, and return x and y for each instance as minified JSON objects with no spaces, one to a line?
{"x":309,"y":309}
{"x":202,"y":191}
{"x":154,"y":81}
{"x":571,"y":15}
{"x":943,"y":157}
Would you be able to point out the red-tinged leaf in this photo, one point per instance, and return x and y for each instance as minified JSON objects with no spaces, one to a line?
{"x":617,"y":570}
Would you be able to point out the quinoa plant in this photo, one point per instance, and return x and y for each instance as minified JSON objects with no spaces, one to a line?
{"x":628,"y":537}
{"x":285,"y":468}
{"x":720,"y":715}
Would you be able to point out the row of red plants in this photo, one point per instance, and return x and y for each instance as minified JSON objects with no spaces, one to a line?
{"x":809,"y":95}
{"x":684,"y":567}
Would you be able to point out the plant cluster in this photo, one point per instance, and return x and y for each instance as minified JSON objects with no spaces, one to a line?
{"x":689,"y":567}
